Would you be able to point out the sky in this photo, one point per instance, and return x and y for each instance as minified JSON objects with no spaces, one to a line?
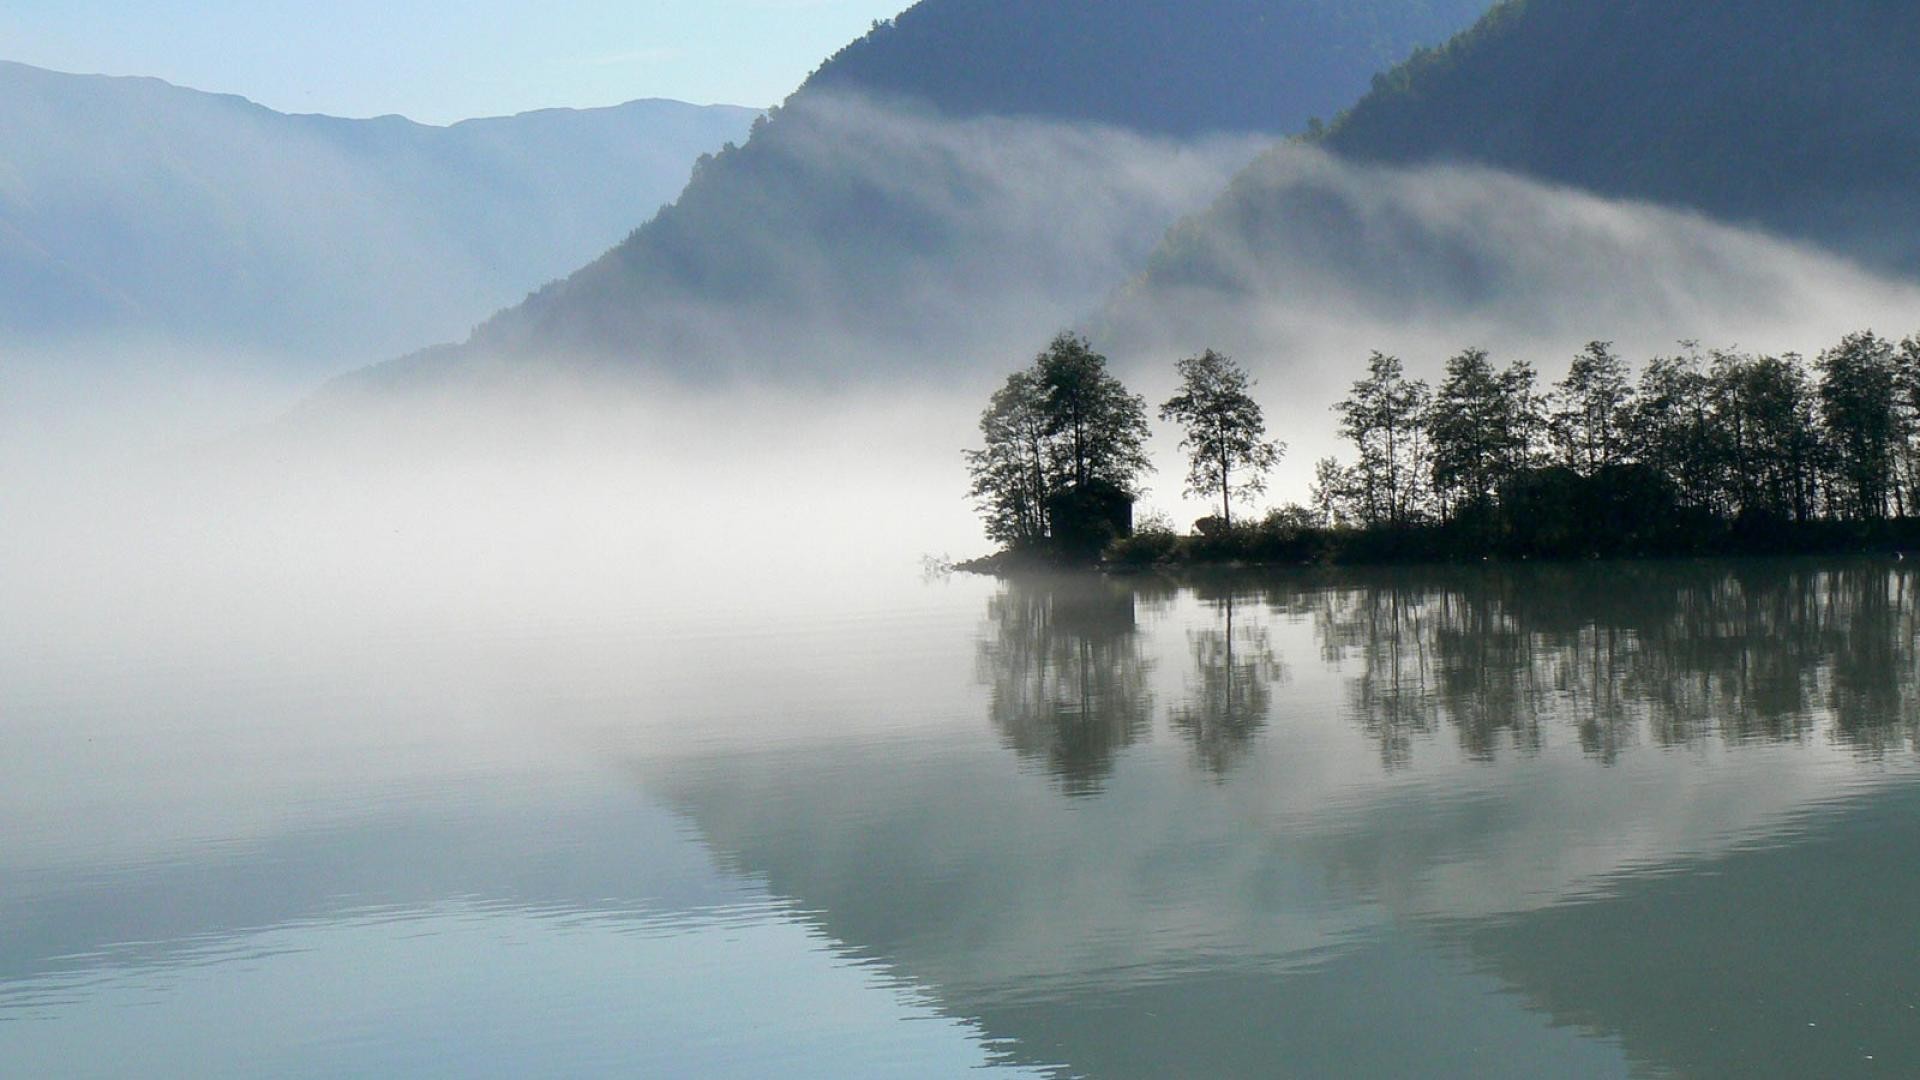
{"x":438,"y":61}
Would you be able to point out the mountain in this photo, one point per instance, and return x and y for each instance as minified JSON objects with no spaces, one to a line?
{"x":134,"y":211}
{"x":1178,"y":69}
{"x":968,"y":155}
{"x":1800,"y":116}
{"x":1731,"y":171}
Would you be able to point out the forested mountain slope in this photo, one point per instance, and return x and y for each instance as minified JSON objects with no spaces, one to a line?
{"x":1234,"y":65}
{"x":1802,"y":116}
{"x":945,"y":164}
{"x":1725,"y":171}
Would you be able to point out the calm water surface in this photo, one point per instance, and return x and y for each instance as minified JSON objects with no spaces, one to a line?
{"x":1621,"y":820}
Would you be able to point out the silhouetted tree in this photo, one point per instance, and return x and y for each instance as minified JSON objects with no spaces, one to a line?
{"x":1862,"y":420}
{"x":1735,"y":454}
{"x":1764,"y":410}
{"x":1014,"y":475}
{"x":1480,"y":425}
{"x":1101,"y":426}
{"x":1591,"y":407}
{"x":1061,"y":425}
{"x":1224,"y":431}
{"x":1672,"y":428}
{"x":1331,"y":495}
{"x":1907,"y":383}
{"x":1382,"y":418}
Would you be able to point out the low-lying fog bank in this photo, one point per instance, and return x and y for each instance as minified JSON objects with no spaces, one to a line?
{"x":1309,"y":263}
{"x":533,"y":504}
{"x":164,"y":504}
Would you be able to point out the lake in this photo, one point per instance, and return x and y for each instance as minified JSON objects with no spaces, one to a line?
{"x":1656,"y":819}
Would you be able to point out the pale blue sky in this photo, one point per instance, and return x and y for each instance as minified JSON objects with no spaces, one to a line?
{"x":443,"y":60}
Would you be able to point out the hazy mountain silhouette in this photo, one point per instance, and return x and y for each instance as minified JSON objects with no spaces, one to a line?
{"x":1571,"y":169}
{"x":136,"y":211}
{"x":1219,"y":65}
{"x":1802,"y":116}
{"x":932,"y":160}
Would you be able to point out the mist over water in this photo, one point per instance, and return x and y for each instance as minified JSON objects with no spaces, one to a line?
{"x":495,"y":789}
{"x":621,"y":707}
{"x":141,"y":491}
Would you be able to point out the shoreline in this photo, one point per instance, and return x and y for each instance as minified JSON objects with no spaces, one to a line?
{"x":1432,"y":547}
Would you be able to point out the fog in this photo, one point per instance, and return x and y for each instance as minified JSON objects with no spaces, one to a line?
{"x":505,"y":506}
{"x":157,"y":502}
{"x":251,"y":630}
{"x":849,"y":240}
{"x":1307,"y":264}
{"x":231,"y":634}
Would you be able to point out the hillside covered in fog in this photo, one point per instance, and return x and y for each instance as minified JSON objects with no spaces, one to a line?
{"x":136,"y":212}
{"x":1800,"y":116}
{"x":966,"y":155}
{"x":1571,"y":169}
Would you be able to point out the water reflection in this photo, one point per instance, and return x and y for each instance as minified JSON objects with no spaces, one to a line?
{"x":1675,"y":654}
{"x":1068,"y":676}
{"x":1504,"y":658}
{"x":1444,"y":796}
{"x":1405,"y":822}
{"x":1231,"y":688}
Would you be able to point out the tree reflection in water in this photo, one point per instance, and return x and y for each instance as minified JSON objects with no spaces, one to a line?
{"x":1231,"y":690}
{"x":1507,"y":658}
{"x":1068,"y":675}
{"x":1675,"y":653}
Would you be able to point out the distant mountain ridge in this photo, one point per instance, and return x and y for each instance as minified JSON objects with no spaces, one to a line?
{"x":1177,"y":69}
{"x":831,"y":219}
{"x":134,"y":210}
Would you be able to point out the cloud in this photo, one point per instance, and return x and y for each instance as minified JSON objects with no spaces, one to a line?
{"x":1308,"y":263}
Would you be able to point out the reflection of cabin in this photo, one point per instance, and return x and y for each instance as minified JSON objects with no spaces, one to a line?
{"x":1087,"y":517}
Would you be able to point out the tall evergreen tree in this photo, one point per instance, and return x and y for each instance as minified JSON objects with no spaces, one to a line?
{"x":1225,"y":431}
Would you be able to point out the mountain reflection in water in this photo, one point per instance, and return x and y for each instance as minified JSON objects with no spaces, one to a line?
{"x":1432,"y":803}
{"x":1628,"y":819}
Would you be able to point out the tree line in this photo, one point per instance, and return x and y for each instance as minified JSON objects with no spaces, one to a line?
{"x":1698,"y":452}
{"x":1064,"y":432}
{"x":1729,"y":436}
